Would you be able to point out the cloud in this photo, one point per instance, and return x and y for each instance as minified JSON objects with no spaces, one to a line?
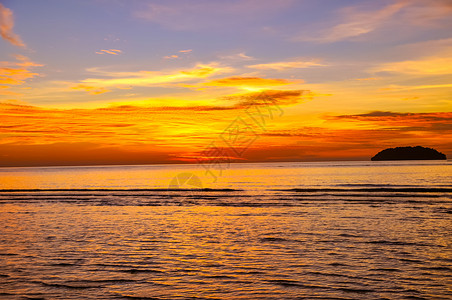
{"x":6,"y":27}
{"x":406,"y":121}
{"x":356,"y":21}
{"x":367,"y":79}
{"x":424,"y":66}
{"x":16,"y":73}
{"x":171,"y":56}
{"x":395,"y":87}
{"x":14,"y":76}
{"x":25,"y":61}
{"x":122,"y":80}
{"x":92,"y":90}
{"x":284,"y":65}
{"x":276,"y":97}
{"x":207,"y":14}
{"x":174,"y":56}
{"x":427,"y":12}
{"x":109,"y":51}
{"x":248,"y":81}
{"x":238,"y":56}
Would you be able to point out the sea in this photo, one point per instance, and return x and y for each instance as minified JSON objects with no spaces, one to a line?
{"x":292,"y":230}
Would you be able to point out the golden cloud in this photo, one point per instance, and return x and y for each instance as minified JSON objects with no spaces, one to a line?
{"x":16,"y":73}
{"x":92,"y":90}
{"x":249,"y":81}
{"x":15,"y":76}
{"x":127,"y":80}
{"x":425,"y":66}
{"x":150,"y":78}
{"x":284,"y":65}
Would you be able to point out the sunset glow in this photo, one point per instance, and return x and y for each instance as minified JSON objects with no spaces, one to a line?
{"x":137,"y":82}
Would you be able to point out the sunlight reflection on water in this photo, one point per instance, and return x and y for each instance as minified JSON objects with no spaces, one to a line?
{"x":345,"y":232}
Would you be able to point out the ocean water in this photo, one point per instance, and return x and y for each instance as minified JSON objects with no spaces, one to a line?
{"x":329,"y":230}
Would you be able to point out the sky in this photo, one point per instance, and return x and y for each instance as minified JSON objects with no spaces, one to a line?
{"x":141,"y":82}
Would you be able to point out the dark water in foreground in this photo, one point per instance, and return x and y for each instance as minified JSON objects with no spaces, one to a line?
{"x":348,"y":230}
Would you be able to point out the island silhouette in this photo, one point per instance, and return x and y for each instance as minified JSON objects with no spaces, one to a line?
{"x":409,"y":153}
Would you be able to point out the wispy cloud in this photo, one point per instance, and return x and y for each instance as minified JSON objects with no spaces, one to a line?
{"x":16,"y":73}
{"x":391,"y":118}
{"x":249,"y":81}
{"x":359,"y":20}
{"x":367,"y":79}
{"x":237,"y":56}
{"x":109,"y":51}
{"x":427,"y":12}
{"x":181,"y":52}
{"x":206,"y":14}
{"x":15,"y":76}
{"x":171,"y":56}
{"x":284,"y":65}
{"x":435,"y":65}
{"x":395,"y":87}
{"x":122,"y":80}
{"x":6,"y":27}
{"x":278,"y":97}
{"x":92,"y":90}
{"x":355,"y":22}
{"x":436,"y":121}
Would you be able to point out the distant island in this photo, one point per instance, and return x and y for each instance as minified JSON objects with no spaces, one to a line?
{"x":409,"y":153}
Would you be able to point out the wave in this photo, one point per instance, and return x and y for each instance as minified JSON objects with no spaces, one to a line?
{"x":376,"y":189}
{"x":146,"y":192}
{"x":122,"y":190}
{"x":229,"y":197}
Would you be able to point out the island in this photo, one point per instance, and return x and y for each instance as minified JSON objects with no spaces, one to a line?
{"x":409,"y":153}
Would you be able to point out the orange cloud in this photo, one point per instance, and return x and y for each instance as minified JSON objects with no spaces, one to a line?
{"x":416,"y":87}
{"x":6,"y":27}
{"x":437,"y":65}
{"x":248,"y":81}
{"x":173,"y":56}
{"x":109,"y":51}
{"x":238,"y":56}
{"x":284,"y":65}
{"x":367,"y":79}
{"x":16,"y":73}
{"x":92,"y":90}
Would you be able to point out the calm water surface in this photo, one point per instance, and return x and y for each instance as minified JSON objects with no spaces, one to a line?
{"x":338,"y":230}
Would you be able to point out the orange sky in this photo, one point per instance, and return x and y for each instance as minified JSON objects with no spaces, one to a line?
{"x":167,"y":83}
